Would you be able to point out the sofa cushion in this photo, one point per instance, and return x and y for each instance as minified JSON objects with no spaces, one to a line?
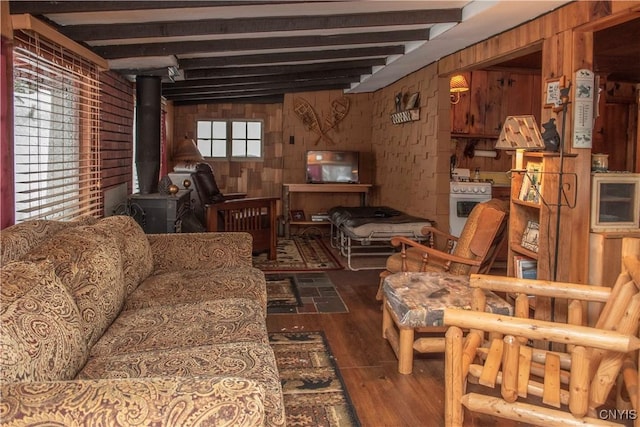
{"x":191,"y":286}
{"x":254,"y":361}
{"x":183,"y":326}
{"x":41,"y":338}
{"x":137,"y":259}
{"x":197,"y":401}
{"x":89,"y":265}
{"x":17,"y":240}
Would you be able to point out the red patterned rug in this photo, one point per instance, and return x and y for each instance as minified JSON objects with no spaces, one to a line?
{"x":313,"y":390}
{"x":300,"y":253}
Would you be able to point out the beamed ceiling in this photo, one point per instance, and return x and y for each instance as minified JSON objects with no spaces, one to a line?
{"x":256,"y":51}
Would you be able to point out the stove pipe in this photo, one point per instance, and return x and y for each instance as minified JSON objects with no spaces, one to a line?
{"x":148,"y":114}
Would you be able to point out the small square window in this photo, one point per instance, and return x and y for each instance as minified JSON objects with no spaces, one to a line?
{"x":233,"y":139}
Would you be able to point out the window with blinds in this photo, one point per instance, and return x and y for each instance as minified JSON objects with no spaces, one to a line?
{"x":56,"y":131}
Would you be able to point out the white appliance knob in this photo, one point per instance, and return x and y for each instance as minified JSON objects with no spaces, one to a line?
{"x":475,"y":189}
{"x":483,"y":190}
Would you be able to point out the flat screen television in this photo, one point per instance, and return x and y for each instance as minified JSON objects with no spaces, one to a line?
{"x":326,"y":166}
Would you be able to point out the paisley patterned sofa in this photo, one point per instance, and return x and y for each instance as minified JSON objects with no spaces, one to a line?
{"x":104,"y":325}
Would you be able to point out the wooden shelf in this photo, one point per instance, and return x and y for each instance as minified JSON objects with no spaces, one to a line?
{"x":309,"y":222}
{"x":516,"y":247}
{"x":527,"y":204}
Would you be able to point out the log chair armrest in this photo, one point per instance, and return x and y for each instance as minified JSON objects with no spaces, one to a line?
{"x":541,"y":330}
{"x":543,"y":288}
{"x":398,"y":240}
{"x":193,"y":251}
{"x":138,"y":401}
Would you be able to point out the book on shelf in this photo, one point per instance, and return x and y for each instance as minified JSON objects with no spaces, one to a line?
{"x":531,"y":183}
{"x":530,"y":236}
{"x":525,"y":268}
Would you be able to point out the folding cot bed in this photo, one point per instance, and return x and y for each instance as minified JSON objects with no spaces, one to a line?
{"x":367,"y":230}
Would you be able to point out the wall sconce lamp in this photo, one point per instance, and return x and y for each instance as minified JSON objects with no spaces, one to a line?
{"x":457,"y":84}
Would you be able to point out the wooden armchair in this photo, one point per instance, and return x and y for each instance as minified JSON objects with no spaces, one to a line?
{"x":256,"y":216}
{"x":511,"y":370}
{"x":473,"y":252}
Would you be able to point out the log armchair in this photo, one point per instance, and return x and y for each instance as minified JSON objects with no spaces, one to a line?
{"x":473,"y":252}
{"x":256,"y":215}
{"x":551,"y":373}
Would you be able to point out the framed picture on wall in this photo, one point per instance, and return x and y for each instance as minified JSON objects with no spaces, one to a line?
{"x":552,"y":91}
{"x":412,"y":102}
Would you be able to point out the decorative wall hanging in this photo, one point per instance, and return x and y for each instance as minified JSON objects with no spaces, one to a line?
{"x":583,"y":109}
{"x":309,"y":118}
{"x":552,"y":92}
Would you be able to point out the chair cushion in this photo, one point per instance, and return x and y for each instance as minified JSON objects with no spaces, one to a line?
{"x":41,"y":338}
{"x":135,"y":249}
{"x":90,"y":266}
{"x":419,"y":299}
{"x":190,"y":286}
{"x":463,"y":247}
{"x":206,"y":185}
{"x":17,"y":240}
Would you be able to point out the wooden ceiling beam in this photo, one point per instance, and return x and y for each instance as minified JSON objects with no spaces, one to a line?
{"x":239,"y":44}
{"x":266,"y":99}
{"x":270,"y":58}
{"x":313,"y":75}
{"x":211,"y":90}
{"x":208,"y":73}
{"x":261,"y":24}
{"x":246,"y":94}
{"x":44,"y":7}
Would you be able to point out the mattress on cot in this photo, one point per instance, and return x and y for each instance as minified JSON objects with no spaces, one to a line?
{"x":376,"y":221}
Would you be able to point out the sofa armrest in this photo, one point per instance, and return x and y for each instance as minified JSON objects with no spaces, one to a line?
{"x":143,"y":401}
{"x":193,"y":251}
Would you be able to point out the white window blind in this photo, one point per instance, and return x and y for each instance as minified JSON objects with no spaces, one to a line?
{"x":56,"y":131}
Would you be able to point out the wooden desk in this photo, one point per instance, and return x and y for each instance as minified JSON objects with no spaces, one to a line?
{"x":287,"y":189}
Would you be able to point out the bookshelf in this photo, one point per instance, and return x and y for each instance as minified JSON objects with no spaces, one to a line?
{"x":542,"y":210}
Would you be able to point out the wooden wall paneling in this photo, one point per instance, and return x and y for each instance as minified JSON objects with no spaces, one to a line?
{"x":581,"y":57}
{"x":251,"y":177}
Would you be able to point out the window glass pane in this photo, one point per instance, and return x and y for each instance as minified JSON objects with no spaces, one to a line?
{"x":239,"y":130}
{"x":238,"y":148}
{"x":204,"y":130}
{"x":204,"y":146}
{"x":220,"y":130}
{"x":253,"y":149}
{"x":254,"y":130}
{"x":219,"y":148}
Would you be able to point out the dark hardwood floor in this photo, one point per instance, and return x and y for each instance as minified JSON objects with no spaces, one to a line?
{"x":381,"y":395}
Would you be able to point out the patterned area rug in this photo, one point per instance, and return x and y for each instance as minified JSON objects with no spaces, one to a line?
{"x":303,"y":293}
{"x":314,"y":393}
{"x":300,"y":253}
{"x":282,"y":294}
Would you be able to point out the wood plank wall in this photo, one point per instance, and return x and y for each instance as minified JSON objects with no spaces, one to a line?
{"x":566,"y":36}
{"x":353,"y":133}
{"x":411,"y":165}
{"x":116,"y":133}
{"x":256,"y":178}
